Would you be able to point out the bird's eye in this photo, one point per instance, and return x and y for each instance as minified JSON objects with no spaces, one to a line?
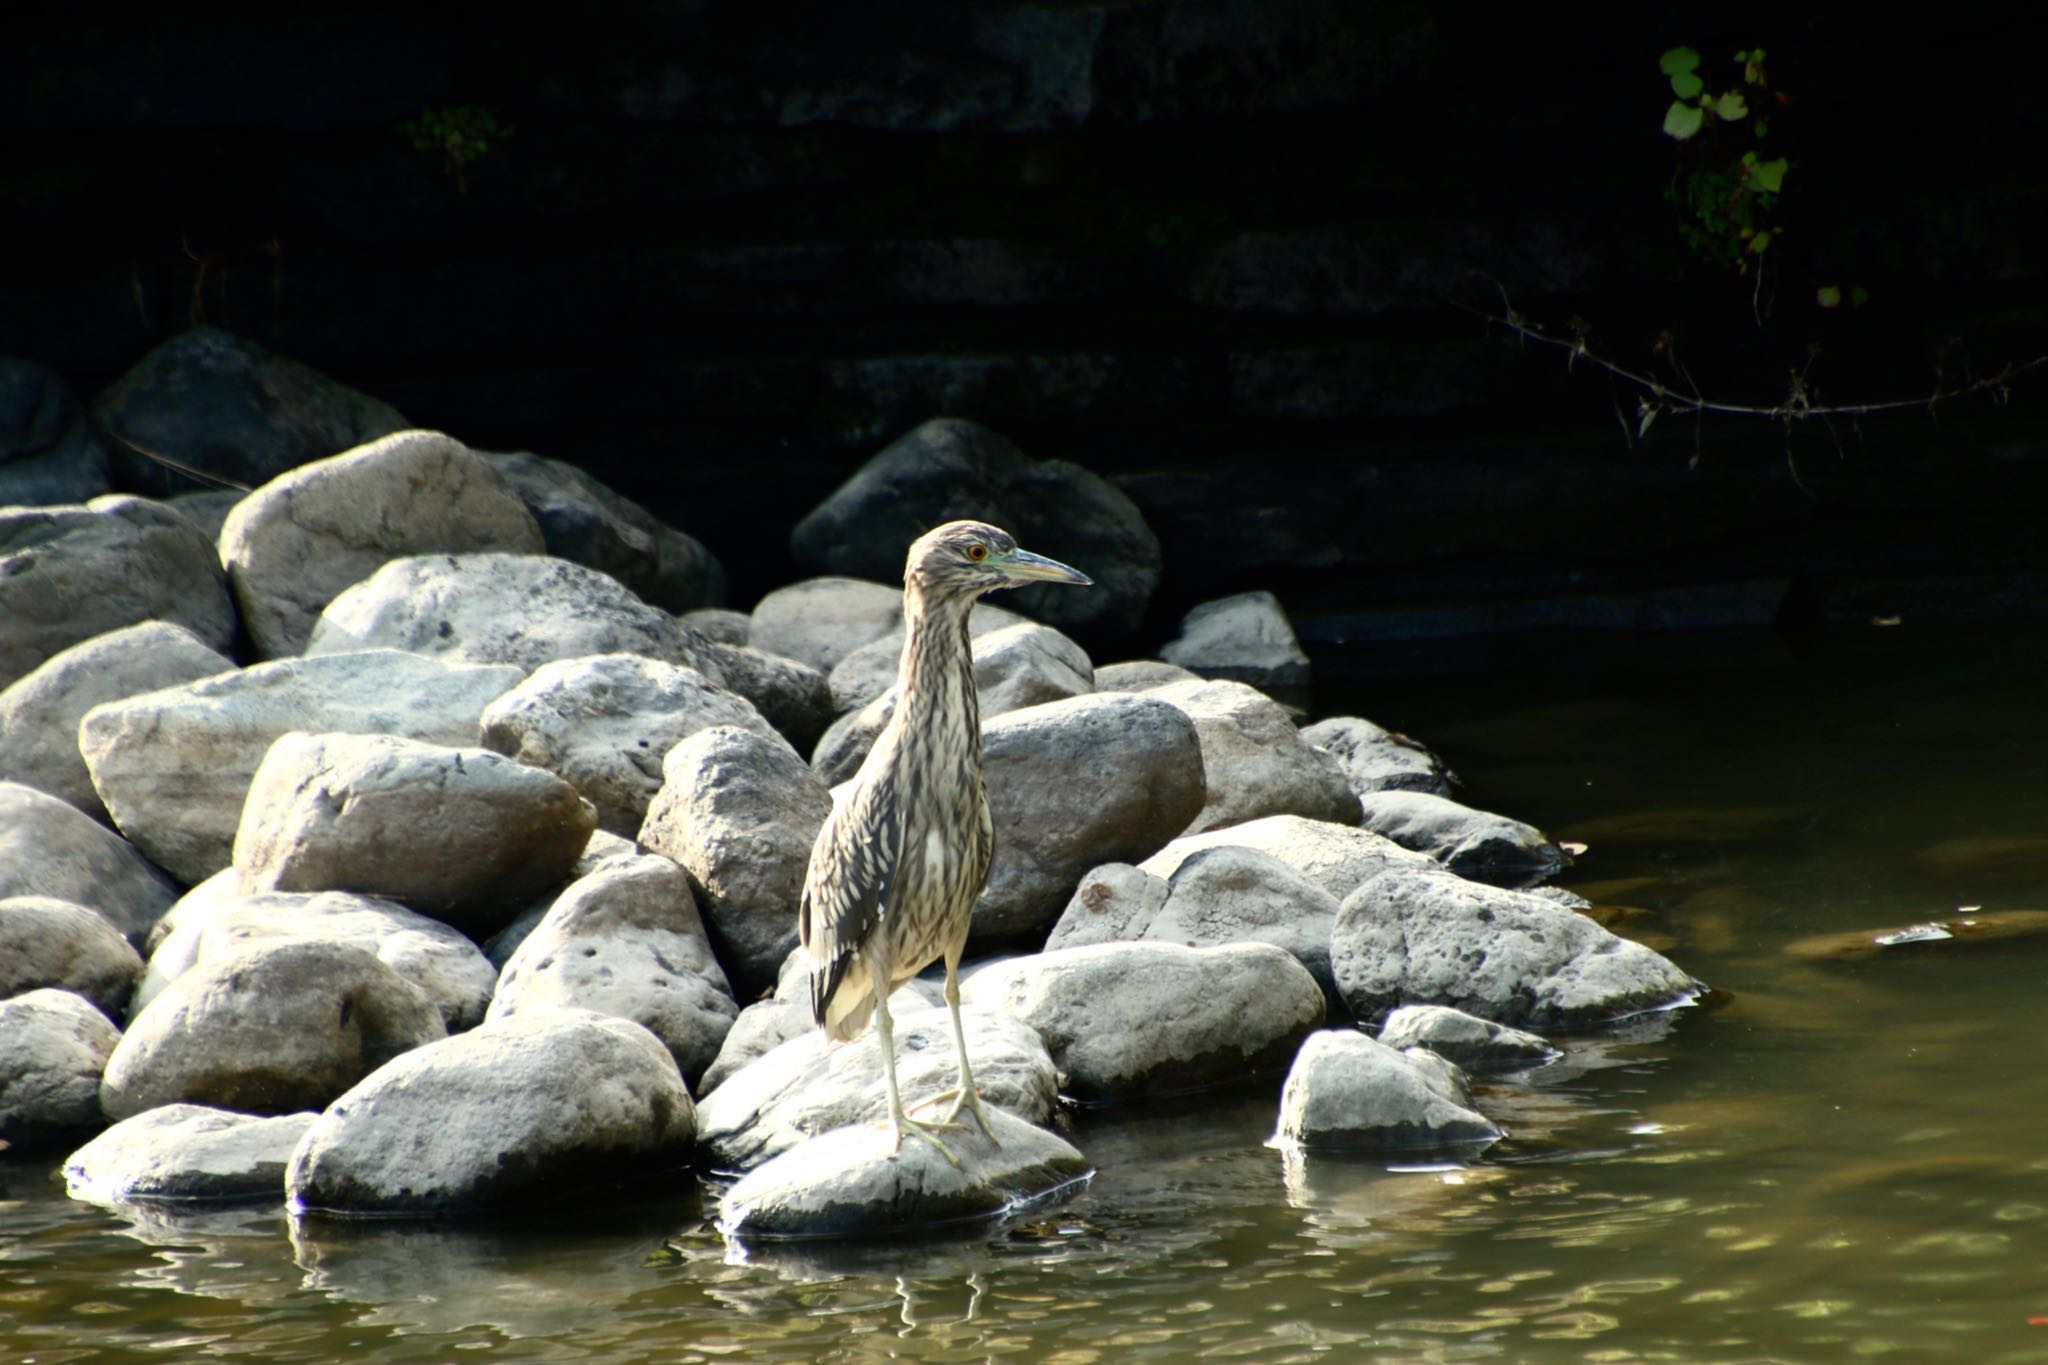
{"x":977,"y":553}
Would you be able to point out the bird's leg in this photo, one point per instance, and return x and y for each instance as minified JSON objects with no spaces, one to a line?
{"x":966,"y":1096}
{"x":898,"y":1120}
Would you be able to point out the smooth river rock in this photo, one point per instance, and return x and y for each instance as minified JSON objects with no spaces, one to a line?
{"x":1475,"y":844}
{"x":820,"y":621}
{"x":1376,"y":759}
{"x":869,"y":671}
{"x":1246,"y":638}
{"x":68,"y":946}
{"x":1346,"y":1092}
{"x":50,"y":848}
{"x":53,"y":1047}
{"x":187,"y":1152}
{"x":1337,"y":858}
{"x":1256,"y":762}
{"x":1463,"y":1039}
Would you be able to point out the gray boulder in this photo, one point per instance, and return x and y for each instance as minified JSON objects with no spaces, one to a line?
{"x":1414,"y":936}
{"x":183,"y":1152}
{"x":1129,"y":1019}
{"x":1346,"y":1092}
{"x":626,"y":941}
{"x":70,"y":573}
{"x":793,"y":697}
{"x":1463,"y":1039}
{"x":1256,"y":762}
{"x":295,"y":543}
{"x":740,"y":812}
{"x":867,"y":672}
{"x":1376,"y":759}
{"x":1140,"y":675}
{"x":436,"y":958}
{"x":208,"y":508}
{"x":1475,"y":844}
{"x":1338,"y":858}
{"x":53,"y":1047}
{"x":806,"y":1086}
{"x":496,"y":1118}
{"x":40,"y":712}
{"x":767,"y":1024}
{"x":1074,"y":784}
{"x":589,"y":524}
{"x":230,"y":408}
{"x":465,"y":835}
{"x":1246,"y":638}
{"x":604,"y":723}
{"x":51,"y":943}
{"x":1114,"y":903}
{"x":720,"y":625}
{"x":949,"y":468}
{"x":275,"y":1028}
{"x":822,"y":620}
{"x":174,"y":766}
{"x":49,"y":453}
{"x":524,"y":610}
{"x":49,"y":848}
{"x":856,"y":1181}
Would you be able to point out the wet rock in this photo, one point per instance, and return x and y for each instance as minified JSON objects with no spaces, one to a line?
{"x":1428,"y":937}
{"x":496,"y":1118}
{"x":867,"y":672}
{"x":1463,"y":1039}
{"x":592,"y":525}
{"x":855,"y":1181}
{"x":1072,"y":785}
{"x":230,"y":408}
{"x":46,"y":942}
{"x":1129,"y":1019}
{"x":1246,"y":638}
{"x":822,"y":620}
{"x":295,"y":543}
{"x":1335,"y":857}
{"x":1942,"y":933}
{"x":48,"y":848}
{"x":793,"y":697}
{"x":1475,"y":844}
{"x":70,"y":573}
{"x":465,"y":835}
{"x":1346,"y":1092}
{"x":1114,"y":903}
{"x":740,"y":811}
{"x":174,"y":766}
{"x":40,"y":712}
{"x":1376,"y":759}
{"x":626,"y":941}
{"x":604,"y":723}
{"x":807,"y":1087}
{"x":53,"y":1047}
{"x":1140,"y":675}
{"x":274,"y":1028}
{"x":187,"y":1152}
{"x":524,"y":610}
{"x":1256,"y":762}
{"x":949,"y":468}
{"x":48,"y":452}
{"x":436,"y":958}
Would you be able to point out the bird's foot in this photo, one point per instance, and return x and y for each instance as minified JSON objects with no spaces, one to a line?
{"x":905,"y":1126}
{"x":965,"y":1098}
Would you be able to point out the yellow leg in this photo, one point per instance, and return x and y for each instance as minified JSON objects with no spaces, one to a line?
{"x":966,"y":1097}
{"x":901,"y":1122}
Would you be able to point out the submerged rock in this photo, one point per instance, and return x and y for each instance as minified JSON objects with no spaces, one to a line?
{"x":1346,"y":1092}
{"x":187,"y":1152}
{"x":53,"y":1047}
{"x":1945,"y":931}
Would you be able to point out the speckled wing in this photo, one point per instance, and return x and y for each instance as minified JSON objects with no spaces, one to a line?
{"x":846,"y":887}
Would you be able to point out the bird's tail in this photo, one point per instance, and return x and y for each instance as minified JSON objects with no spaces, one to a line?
{"x":843,"y":1001}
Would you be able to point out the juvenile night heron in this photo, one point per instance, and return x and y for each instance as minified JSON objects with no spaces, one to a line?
{"x":896,"y":868}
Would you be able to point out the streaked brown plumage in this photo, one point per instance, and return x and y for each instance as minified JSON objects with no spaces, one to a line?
{"x":896,"y":868}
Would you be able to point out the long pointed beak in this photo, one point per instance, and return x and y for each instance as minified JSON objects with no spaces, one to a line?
{"x":1026,"y":566}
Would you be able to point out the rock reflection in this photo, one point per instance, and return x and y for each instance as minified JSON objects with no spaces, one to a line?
{"x":227,"y":1252}
{"x":1352,"y":1203}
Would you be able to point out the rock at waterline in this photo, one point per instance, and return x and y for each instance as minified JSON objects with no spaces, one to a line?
{"x":515,"y":1110}
{"x":1346,"y":1092}
{"x":53,"y":1047}
{"x":854,"y":1181}
{"x":1337,"y":858}
{"x":1246,"y":638}
{"x":1375,"y":759}
{"x":1943,"y":932}
{"x":50,"y":848}
{"x":187,"y":1151}
{"x":1255,"y":761}
{"x":66,"y":946}
{"x":1475,"y":844}
{"x":1463,"y":1039}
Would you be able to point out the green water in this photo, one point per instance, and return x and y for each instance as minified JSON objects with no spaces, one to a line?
{"x":1832,"y":1161}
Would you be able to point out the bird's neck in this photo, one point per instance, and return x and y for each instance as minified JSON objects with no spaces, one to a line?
{"x":936,"y":673}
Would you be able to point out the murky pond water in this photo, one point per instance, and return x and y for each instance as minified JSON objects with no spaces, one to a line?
{"x":1837,"y":1160}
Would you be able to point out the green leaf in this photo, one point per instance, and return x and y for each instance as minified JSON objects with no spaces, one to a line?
{"x":1743,"y":56}
{"x":1770,"y":175}
{"x":1828,"y":296}
{"x":1682,"y":120}
{"x":1687,"y":86}
{"x":1758,"y":243}
{"x":1678,"y":61}
{"x":1731,"y":106}
{"x":1858,"y":296}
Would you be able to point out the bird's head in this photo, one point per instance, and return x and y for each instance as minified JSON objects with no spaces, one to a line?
{"x":972,"y":557}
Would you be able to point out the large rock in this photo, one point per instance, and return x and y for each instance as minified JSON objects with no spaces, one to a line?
{"x":807,"y":1086}
{"x":1475,"y":844}
{"x":39,"y":713}
{"x":49,"y":453}
{"x":1114,"y":903}
{"x":53,"y":1047}
{"x":294,"y":544}
{"x":49,"y":848}
{"x":465,"y":835}
{"x":1463,"y":1039}
{"x":626,"y":941}
{"x":227,"y":407}
{"x":524,"y":610}
{"x":950,"y":468}
{"x":867,"y":672}
{"x":793,"y":697}
{"x":592,"y":525}
{"x":51,"y":943}
{"x":1376,"y":759}
{"x":435,"y":957}
{"x":70,"y":573}
{"x":174,"y":766}
{"x":493,"y":1119}
{"x":1140,"y":675}
{"x":740,"y":812}
{"x":767,"y":1024}
{"x":187,"y":1152}
{"x":277,"y":1027}
{"x":1346,"y":1092}
{"x":1256,"y":761}
{"x":603,"y":724}
{"x":857,"y":1182}
{"x":1129,"y":1019}
{"x":822,"y":620}
{"x":1074,"y":784}
{"x":1335,"y":857}
{"x":1414,"y":936}
{"x":1246,"y":638}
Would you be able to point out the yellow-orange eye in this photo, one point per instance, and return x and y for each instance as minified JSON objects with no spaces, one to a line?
{"x":977,"y":553}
